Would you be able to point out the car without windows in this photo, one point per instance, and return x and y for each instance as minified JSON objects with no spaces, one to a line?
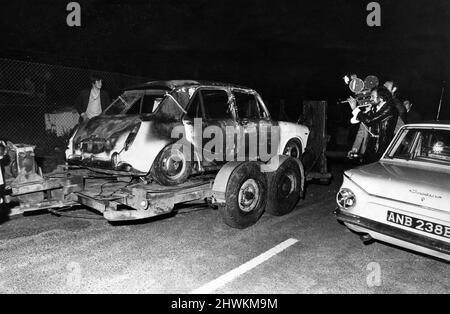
{"x":137,"y":134}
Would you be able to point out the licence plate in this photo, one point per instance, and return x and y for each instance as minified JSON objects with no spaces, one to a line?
{"x":419,"y":224}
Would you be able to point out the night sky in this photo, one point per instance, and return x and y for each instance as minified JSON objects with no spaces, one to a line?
{"x":294,"y":50}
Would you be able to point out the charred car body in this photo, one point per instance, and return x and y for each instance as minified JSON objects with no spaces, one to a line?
{"x":135,"y":134}
{"x":404,"y":198}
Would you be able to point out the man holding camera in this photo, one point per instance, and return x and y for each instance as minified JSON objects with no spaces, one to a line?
{"x":381,"y":120}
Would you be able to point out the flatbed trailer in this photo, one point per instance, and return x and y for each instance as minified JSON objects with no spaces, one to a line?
{"x":121,"y":200}
{"x":241,"y":191}
{"x":107,"y":194}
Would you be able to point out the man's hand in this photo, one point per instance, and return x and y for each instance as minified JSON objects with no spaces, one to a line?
{"x":352,"y":151}
{"x":83,"y":118}
{"x":352,"y":102}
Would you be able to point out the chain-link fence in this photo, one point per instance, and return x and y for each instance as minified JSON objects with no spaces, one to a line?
{"x":37,"y":101}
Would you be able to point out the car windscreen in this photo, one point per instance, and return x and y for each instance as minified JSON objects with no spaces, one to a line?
{"x":136,"y":102}
{"x":427,"y":145}
{"x":169,"y":106}
{"x":122,"y":103}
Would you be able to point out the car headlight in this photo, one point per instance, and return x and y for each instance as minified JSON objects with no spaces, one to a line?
{"x":346,"y":199}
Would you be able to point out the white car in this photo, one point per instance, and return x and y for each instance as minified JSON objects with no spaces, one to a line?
{"x":135,"y":134}
{"x":403,"y":199}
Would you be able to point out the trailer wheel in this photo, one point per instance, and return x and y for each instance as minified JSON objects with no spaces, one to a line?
{"x":171,"y":167}
{"x":246,"y":196}
{"x":285,"y":185}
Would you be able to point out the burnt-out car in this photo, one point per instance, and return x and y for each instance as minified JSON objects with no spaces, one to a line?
{"x":403,"y":199}
{"x":139,"y":132}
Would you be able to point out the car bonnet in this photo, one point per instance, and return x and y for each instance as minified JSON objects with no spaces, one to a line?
{"x":416,"y":185}
{"x":105,"y":127}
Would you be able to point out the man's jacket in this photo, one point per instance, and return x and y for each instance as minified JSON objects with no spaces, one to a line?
{"x":82,"y":101}
{"x":382,"y":123}
{"x":360,"y":142}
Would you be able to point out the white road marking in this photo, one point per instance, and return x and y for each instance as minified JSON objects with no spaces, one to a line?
{"x":233,"y":274}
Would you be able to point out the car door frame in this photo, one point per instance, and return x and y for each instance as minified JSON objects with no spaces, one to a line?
{"x":221,"y":123}
{"x":263,"y":122}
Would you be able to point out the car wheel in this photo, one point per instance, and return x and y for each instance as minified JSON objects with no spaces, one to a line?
{"x":293,"y":148}
{"x":284,"y":188}
{"x":246,"y":196}
{"x":171,"y":167}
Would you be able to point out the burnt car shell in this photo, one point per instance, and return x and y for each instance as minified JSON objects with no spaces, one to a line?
{"x":97,"y":142}
{"x":129,"y":140}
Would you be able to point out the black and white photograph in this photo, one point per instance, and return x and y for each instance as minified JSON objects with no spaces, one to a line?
{"x":224,"y":154}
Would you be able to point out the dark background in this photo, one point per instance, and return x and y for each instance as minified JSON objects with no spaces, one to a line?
{"x":294,"y":50}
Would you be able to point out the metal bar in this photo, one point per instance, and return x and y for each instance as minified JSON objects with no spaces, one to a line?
{"x":440,"y":101}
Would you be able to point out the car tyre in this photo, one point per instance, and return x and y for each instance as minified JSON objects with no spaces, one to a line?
{"x":171,"y":166}
{"x":246,"y":196}
{"x":285,"y":186}
{"x":293,"y":148}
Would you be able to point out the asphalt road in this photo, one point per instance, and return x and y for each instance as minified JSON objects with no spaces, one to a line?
{"x":187,"y":251}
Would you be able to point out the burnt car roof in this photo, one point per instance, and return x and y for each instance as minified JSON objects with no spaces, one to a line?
{"x":173,"y":84}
